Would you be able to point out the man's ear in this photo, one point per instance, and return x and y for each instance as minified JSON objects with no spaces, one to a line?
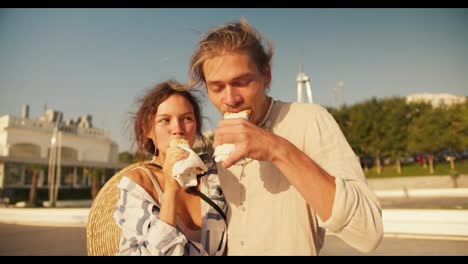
{"x":267,"y":77}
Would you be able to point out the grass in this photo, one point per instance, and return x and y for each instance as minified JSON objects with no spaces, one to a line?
{"x":415,"y":170}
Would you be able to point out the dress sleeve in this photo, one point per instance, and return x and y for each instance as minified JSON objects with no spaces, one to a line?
{"x":143,"y":233}
{"x":356,"y":215}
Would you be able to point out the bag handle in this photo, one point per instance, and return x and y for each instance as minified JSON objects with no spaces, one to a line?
{"x":194,"y":190}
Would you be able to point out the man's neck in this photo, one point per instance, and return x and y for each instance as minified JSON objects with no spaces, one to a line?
{"x":265,"y":106}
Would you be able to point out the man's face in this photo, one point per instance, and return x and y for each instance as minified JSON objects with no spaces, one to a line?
{"x":234,"y":83}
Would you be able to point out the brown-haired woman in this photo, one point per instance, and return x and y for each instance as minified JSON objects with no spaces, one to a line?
{"x":155,"y":213}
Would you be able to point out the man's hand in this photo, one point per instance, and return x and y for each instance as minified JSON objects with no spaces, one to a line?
{"x":250,"y":141}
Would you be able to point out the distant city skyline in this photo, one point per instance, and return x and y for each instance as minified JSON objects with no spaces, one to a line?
{"x":99,"y":61}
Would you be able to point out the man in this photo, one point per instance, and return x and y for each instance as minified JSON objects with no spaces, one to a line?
{"x":301,"y":176}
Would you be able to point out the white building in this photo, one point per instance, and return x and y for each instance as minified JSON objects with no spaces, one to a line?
{"x":436,"y":99}
{"x":26,"y":142}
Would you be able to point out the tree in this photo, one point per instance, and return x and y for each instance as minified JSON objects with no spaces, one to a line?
{"x":427,"y":134}
{"x":126,"y":157}
{"x":95,"y":175}
{"x":456,"y":132}
{"x":199,"y":148}
{"x":356,"y":125}
{"x":35,"y":170}
{"x":367,"y":129}
{"x":395,"y":129}
{"x":456,"y":136}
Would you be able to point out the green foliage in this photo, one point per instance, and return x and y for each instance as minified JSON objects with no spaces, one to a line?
{"x":208,"y":147}
{"x":456,"y":133}
{"x":394,"y":124}
{"x":94,"y":172}
{"x":418,"y":170}
{"x":126,"y":157}
{"x":427,"y":132}
{"x":391,"y":128}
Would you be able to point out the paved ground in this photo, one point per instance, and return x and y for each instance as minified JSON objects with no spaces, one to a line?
{"x":419,"y":182}
{"x":425,"y":203}
{"x":19,"y":240}
{"x":58,"y":240}
{"x":400,"y":246}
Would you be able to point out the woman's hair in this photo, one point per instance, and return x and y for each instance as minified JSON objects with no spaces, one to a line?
{"x":235,"y":36}
{"x":149,"y":103}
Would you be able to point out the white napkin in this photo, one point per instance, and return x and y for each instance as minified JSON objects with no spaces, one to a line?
{"x":184,"y":170}
{"x":223,"y":151}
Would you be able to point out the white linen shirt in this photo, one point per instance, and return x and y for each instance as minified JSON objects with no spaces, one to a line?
{"x":268,"y":216}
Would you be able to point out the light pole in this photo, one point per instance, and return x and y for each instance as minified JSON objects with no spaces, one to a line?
{"x":334,"y":97}
{"x":341,"y":87}
{"x":55,"y":162}
{"x":59,"y":165}
{"x":52,"y":161}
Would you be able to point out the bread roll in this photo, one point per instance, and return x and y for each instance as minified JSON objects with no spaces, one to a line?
{"x":178,"y":141}
{"x":242,"y":114}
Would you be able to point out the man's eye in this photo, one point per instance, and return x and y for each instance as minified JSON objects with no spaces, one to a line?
{"x":240,"y":83}
{"x":215,"y":88}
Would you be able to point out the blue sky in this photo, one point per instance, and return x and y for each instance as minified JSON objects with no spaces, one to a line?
{"x":98,"y":61}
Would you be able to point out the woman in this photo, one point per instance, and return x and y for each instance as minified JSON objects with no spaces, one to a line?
{"x":157,"y":216}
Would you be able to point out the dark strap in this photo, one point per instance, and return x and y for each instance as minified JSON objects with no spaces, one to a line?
{"x":155,"y":165}
{"x":205,"y":198}
{"x":194,"y":190}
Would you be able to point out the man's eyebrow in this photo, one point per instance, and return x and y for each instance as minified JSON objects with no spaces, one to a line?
{"x":245,"y":75}
{"x":242,"y":76}
{"x":214,"y":82}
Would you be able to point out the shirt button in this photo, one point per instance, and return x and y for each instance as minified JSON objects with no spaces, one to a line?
{"x":242,"y":243}
{"x":243,"y":209}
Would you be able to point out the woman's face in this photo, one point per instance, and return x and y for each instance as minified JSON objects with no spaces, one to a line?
{"x":174,"y":118}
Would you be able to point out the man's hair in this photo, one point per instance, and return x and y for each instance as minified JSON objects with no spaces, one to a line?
{"x":148,"y":106}
{"x":232,"y":37}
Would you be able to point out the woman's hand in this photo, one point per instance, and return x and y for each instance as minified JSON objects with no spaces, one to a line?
{"x":173,"y":154}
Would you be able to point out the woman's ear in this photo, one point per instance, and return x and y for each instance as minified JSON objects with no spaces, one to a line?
{"x":151,"y":134}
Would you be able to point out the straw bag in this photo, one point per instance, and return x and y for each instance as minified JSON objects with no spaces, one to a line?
{"x":102,"y":234}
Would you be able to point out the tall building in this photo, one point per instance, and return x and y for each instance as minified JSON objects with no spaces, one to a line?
{"x":28,"y":144}
{"x":436,"y":99}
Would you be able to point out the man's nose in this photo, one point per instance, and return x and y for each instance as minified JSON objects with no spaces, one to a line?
{"x":231,"y":97}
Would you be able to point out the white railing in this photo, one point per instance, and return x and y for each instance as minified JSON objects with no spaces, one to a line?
{"x":92,"y":132}
{"x":34,"y":124}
